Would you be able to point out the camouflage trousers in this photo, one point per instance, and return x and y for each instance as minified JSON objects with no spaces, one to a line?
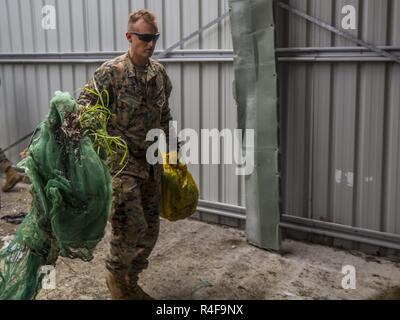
{"x":4,"y":162}
{"x":135,"y":224}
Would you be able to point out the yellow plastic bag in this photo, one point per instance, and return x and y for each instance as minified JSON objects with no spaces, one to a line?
{"x":180,"y":194}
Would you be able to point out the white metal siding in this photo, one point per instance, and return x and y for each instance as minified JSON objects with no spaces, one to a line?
{"x":202,"y":95}
{"x":341,"y":141}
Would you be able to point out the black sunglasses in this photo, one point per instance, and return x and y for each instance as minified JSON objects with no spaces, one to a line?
{"x":146,"y":37}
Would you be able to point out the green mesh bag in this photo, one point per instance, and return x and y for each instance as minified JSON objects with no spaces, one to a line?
{"x":72,"y":198}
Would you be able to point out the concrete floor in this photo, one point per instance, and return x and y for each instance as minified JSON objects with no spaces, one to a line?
{"x":196,"y":260}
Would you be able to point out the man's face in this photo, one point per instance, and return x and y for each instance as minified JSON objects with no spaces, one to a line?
{"x":139,"y":49}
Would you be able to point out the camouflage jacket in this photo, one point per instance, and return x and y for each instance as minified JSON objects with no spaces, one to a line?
{"x":137,"y":105}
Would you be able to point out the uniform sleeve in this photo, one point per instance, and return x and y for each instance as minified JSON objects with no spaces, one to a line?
{"x":101,"y":81}
{"x":166,"y":111}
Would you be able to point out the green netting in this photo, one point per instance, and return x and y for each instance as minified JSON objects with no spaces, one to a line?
{"x":72,"y":197}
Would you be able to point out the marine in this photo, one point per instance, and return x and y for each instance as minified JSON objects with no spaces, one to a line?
{"x":137,"y":89}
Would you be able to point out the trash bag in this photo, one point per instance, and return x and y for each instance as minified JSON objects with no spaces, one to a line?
{"x":72,"y":198}
{"x":179,"y":192}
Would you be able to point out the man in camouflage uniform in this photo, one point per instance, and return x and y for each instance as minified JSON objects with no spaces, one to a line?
{"x":12,"y":176}
{"x":139,"y":89}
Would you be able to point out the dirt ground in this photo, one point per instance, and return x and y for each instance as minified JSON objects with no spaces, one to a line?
{"x":196,"y":260}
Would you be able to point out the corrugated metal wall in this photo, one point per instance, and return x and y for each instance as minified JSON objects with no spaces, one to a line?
{"x":341,"y":133}
{"x":339,"y":104}
{"x":202,"y":95}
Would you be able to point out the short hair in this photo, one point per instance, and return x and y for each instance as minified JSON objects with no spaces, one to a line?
{"x":144,"y":14}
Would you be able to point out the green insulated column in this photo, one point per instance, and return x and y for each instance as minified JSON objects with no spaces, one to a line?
{"x":255,"y":87}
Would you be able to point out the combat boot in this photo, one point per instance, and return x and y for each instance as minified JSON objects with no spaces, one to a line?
{"x":133,"y":290}
{"x":12,"y":178}
{"x":121,"y":290}
{"x":137,"y":293}
{"x":115,"y":287}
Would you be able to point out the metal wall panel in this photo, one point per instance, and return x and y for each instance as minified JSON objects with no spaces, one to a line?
{"x":202,"y":95}
{"x":377,"y":22}
{"x":100,"y":25}
{"x":340,"y":137}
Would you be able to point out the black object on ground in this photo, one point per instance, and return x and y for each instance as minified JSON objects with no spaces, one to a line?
{"x":14,"y":218}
